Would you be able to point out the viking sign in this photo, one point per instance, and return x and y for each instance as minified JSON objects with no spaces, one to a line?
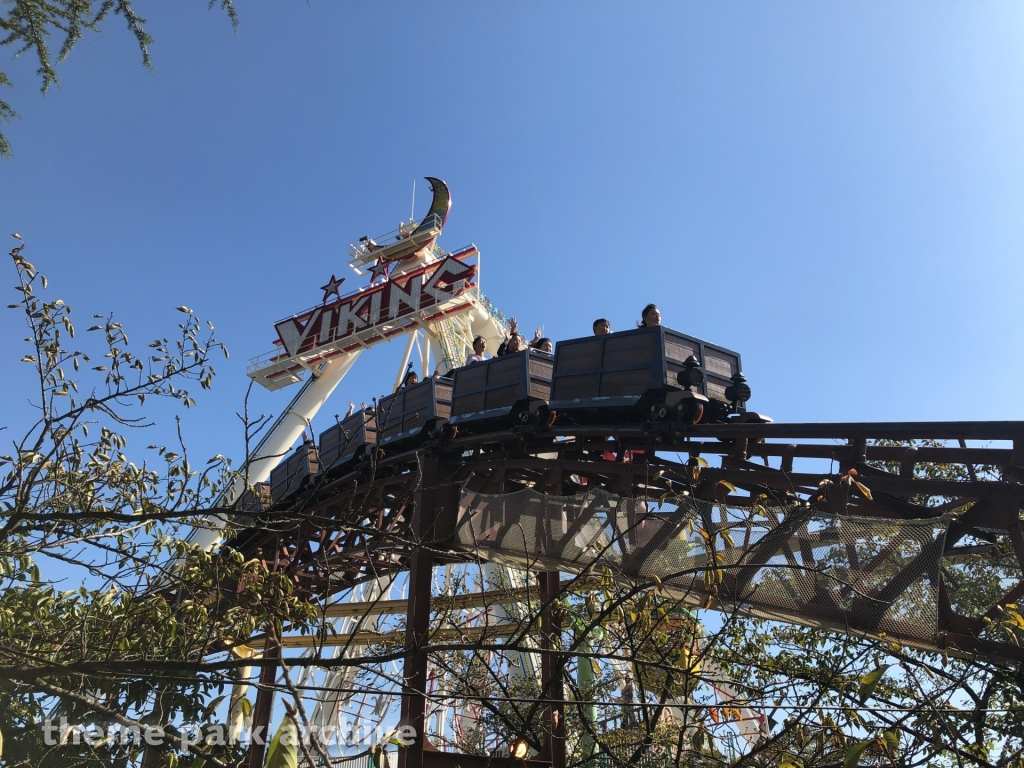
{"x":429,"y":286}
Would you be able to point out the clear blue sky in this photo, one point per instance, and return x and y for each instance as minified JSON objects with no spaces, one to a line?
{"x":833,"y":189}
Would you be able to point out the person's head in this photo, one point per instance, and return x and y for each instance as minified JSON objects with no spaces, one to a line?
{"x":602,"y":326}
{"x":516,"y":343}
{"x":651,"y":316}
{"x":411,"y":378}
{"x":544,"y":344}
{"x":479,"y":345}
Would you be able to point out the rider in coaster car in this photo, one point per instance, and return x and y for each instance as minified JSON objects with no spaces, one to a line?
{"x":479,"y":351}
{"x":411,"y":379}
{"x":651,"y":316}
{"x":515,"y":342}
{"x":543,"y":344}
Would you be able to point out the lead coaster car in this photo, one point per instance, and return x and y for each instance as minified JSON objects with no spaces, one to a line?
{"x":646,"y":374}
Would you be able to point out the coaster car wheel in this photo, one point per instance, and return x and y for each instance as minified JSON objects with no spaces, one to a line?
{"x":548,"y":417}
{"x":690,"y":411}
{"x":687,"y":407}
{"x":543,"y":417}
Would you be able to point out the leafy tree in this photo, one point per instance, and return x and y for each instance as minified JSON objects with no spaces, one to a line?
{"x":29,"y":25}
{"x":107,"y":614}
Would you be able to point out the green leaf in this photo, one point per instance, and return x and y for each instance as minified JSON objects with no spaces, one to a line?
{"x":854,"y":753}
{"x":698,"y":739}
{"x":212,"y":707}
{"x":379,"y":758}
{"x":892,"y":741}
{"x":284,"y":748}
{"x":870,"y":681}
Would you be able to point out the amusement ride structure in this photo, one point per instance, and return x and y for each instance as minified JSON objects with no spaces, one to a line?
{"x":482,"y":488}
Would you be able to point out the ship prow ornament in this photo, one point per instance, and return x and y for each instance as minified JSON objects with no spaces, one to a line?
{"x":412,"y":242}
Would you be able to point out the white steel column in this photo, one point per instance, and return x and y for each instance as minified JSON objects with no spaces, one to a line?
{"x":434,"y":350}
{"x":279,"y":440}
{"x":405,"y":358}
{"x":297,"y":418}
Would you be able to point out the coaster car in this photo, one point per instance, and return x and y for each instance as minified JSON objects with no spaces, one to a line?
{"x":409,"y":416}
{"x":647,"y":374}
{"x":502,"y":391}
{"x":348,"y":440}
{"x":294,"y":473}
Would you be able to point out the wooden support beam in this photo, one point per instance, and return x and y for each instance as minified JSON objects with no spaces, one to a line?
{"x":442,"y":635}
{"x":264,"y":706}
{"x":890,"y":430}
{"x":455,"y":602}
{"x":417,"y":635}
{"x":552,"y":667}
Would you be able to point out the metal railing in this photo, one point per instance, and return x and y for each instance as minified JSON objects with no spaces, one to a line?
{"x":492,"y":310}
{"x":367,"y":248}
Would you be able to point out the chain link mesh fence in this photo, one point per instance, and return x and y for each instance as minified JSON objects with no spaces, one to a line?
{"x":795,"y":563}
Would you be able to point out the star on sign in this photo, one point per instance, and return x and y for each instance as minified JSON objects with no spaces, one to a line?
{"x":380,"y":269}
{"x":332,"y":287}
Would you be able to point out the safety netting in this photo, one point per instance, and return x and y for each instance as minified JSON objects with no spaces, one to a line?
{"x":793,"y":562}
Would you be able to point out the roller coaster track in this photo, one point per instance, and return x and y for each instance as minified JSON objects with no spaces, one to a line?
{"x":862,"y":549}
{"x":856,"y":528}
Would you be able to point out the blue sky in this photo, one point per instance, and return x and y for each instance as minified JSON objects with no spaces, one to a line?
{"x":834,"y":190}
